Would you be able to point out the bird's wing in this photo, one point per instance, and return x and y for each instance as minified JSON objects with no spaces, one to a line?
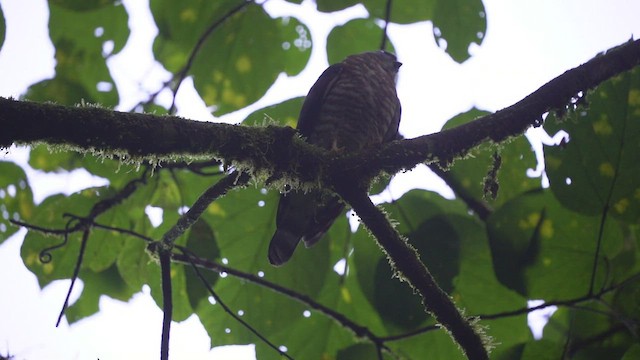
{"x":392,"y":133}
{"x":315,"y":99}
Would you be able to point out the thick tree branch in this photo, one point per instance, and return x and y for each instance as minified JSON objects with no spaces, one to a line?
{"x":277,"y":150}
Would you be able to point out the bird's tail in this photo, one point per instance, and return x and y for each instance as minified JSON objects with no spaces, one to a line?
{"x":282,"y":245}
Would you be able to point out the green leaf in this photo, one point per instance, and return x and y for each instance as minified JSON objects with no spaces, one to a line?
{"x":360,"y":351}
{"x":537,"y":245}
{"x":460,"y":23}
{"x":401,"y":11}
{"x":283,"y":114}
{"x":202,"y":242}
{"x":454,"y":248}
{"x":542,"y":350}
{"x":517,"y":157}
{"x":167,"y":193}
{"x":578,"y":327}
{"x":596,"y":170}
{"x":53,"y":159}
{"x":356,"y":36}
{"x":181,"y":305}
{"x":132,"y":263}
{"x":43,"y":157}
{"x":49,"y":214}
{"x":243,"y":225}
{"x":16,"y":199}
{"x":632,"y":353}
{"x":236,"y":64}
{"x":97,"y":284}
{"x":83,"y":5}
{"x":335,"y":5}
{"x":84,"y":35}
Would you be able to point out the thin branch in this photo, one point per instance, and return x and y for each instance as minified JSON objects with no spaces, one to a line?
{"x":189,"y":256}
{"x":76,"y":272}
{"x":167,"y":303}
{"x":387,"y":18}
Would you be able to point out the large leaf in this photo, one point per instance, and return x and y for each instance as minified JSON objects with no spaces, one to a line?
{"x":95,"y":285}
{"x":354,"y":37}
{"x":454,"y":247}
{"x":103,"y":247}
{"x":16,"y":199}
{"x":237,"y":63}
{"x":243,"y":224}
{"x":459,"y":23}
{"x":537,"y":245}
{"x":335,"y":5}
{"x":456,"y":24}
{"x":202,"y":242}
{"x":283,"y":114}
{"x":401,"y":11}
{"x":84,"y":35}
{"x":597,"y":169}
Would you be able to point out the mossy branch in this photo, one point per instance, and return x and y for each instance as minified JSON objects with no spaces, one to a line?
{"x":277,"y":151}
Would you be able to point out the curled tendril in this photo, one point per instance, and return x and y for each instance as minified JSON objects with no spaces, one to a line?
{"x":45,"y":254}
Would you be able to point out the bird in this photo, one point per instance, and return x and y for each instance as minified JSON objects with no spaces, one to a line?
{"x":351,"y":107}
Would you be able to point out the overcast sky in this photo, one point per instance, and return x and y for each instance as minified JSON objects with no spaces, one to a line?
{"x":527,"y":43}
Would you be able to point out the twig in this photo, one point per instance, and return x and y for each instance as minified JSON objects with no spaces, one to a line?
{"x":188,"y":255}
{"x":523,"y":311}
{"x":387,"y":18}
{"x":358,"y":330}
{"x":76,"y":271}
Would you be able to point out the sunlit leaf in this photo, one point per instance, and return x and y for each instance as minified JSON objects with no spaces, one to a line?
{"x":236,"y":64}
{"x":83,"y":35}
{"x":457,"y":25}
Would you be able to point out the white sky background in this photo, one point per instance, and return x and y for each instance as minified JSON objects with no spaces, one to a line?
{"x":527,"y":44}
